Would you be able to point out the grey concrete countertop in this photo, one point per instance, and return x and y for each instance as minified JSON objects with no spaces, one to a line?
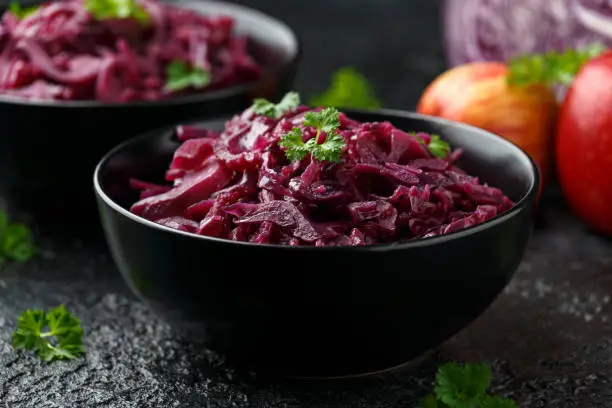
{"x":547,"y":338}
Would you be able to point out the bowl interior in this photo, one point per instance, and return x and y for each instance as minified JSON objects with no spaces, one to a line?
{"x":493,"y":159}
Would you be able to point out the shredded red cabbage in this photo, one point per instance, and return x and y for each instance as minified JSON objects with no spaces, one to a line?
{"x":387,"y":187}
{"x":63,"y":52}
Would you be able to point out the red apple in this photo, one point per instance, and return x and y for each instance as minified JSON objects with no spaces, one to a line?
{"x":584,"y":144}
{"x":478,"y":94}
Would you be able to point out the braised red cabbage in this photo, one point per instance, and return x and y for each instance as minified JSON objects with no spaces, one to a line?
{"x":387,"y":186}
{"x":63,"y":52}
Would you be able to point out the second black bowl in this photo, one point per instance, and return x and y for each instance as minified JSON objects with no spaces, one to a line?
{"x":320,"y":311}
{"x":48,"y":149}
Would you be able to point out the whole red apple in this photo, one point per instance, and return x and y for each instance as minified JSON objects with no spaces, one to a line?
{"x":478,"y":94}
{"x":584,"y":144}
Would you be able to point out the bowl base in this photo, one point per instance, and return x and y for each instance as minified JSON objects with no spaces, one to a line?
{"x":405,"y":366}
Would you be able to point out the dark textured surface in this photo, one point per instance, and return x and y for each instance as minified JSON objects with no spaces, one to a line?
{"x":548,"y":337}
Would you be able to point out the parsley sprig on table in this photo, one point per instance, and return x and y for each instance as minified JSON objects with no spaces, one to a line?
{"x":348,"y":89}
{"x":110,"y":9}
{"x":276,"y":111}
{"x":437,"y":147}
{"x":325,"y":121}
{"x":551,"y":68}
{"x":16,"y":241}
{"x":179,"y":76}
{"x":55,"y":335}
{"x":464,"y":386}
{"x":21,"y":12}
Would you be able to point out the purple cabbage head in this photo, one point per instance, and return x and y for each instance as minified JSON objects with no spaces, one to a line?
{"x":498,"y":30}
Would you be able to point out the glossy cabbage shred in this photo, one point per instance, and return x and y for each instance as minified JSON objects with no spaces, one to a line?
{"x":387,"y":187}
{"x":61,"y":52}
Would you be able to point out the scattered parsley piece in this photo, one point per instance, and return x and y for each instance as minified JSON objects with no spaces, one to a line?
{"x":464,"y":386}
{"x":21,"y":12}
{"x":437,"y":147}
{"x":109,"y":9}
{"x":180,"y":75}
{"x":16,"y":241}
{"x":327,"y":121}
{"x":348,"y":89}
{"x":551,"y":68}
{"x":264,"y":107}
{"x":60,"y":324}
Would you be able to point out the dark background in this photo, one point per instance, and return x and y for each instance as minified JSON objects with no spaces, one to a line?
{"x":548,"y":337}
{"x":396,"y":44}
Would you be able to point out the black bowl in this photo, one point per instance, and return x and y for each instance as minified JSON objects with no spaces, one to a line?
{"x":48,"y":149}
{"x":320,"y":311}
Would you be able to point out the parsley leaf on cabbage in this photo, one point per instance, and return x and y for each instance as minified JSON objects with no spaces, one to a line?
{"x":120,"y":9}
{"x":325,"y":121}
{"x":179,"y":76}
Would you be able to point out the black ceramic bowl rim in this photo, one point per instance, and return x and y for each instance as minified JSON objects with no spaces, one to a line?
{"x":384,"y":247}
{"x":296,"y":52}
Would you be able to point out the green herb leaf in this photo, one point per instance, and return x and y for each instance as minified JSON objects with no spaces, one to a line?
{"x":16,"y":241}
{"x":462,"y":386}
{"x":110,"y":9}
{"x":21,"y":12}
{"x":497,"y":402}
{"x":264,"y":107}
{"x":61,"y":325}
{"x":180,"y":75}
{"x":327,"y":121}
{"x":292,"y":142}
{"x":348,"y":89}
{"x":437,"y":147}
{"x":551,"y":68}
{"x":330,"y":150}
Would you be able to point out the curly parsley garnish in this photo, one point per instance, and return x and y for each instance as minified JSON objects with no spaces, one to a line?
{"x":276,"y":111}
{"x":550,"y":68}
{"x":21,"y":12}
{"x":348,"y":89}
{"x":325,"y":121}
{"x":464,"y":386}
{"x":16,"y":241}
{"x":437,"y":147}
{"x":180,"y":75}
{"x":110,"y":9}
{"x":36,"y":330}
